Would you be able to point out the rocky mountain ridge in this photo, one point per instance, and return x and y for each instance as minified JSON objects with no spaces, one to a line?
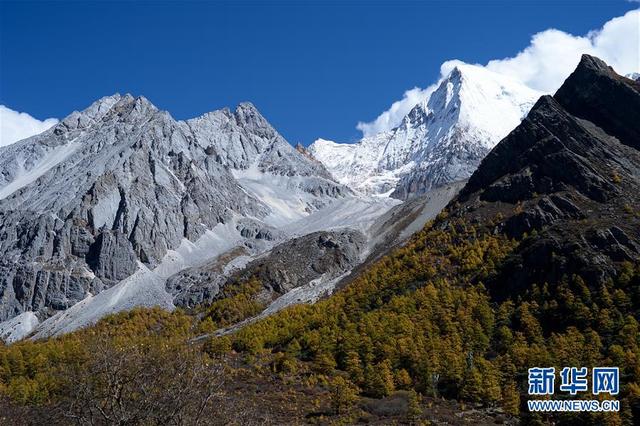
{"x":574,"y":175}
{"x":121,"y":184}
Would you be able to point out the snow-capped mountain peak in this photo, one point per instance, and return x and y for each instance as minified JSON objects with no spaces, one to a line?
{"x":442,"y":139}
{"x":634,"y":76}
{"x":483,"y":98}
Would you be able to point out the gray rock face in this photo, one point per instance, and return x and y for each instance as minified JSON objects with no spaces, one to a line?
{"x":50,"y":286}
{"x":243,"y":138}
{"x":255,"y":230}
{"x":305,"y":259}
{"x":325,"y":254}
{"x":197,"y":285}
{"x":449,"y":162}
{"x":123,"y":182}
{"x":111,"y":256}
{"x":200,"y":284}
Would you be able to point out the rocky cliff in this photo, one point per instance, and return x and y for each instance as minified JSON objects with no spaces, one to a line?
{"x":572,"y":170}
{"x":122,"y":184}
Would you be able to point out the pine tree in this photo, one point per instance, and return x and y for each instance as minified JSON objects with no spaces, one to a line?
{"x":511,"y":398}
{"x":414,"y":410}
{"x":379,"y":379}
{"x":353,"y":366}
{"x":324,"y":363}
{"x":402,"y":379}
{"x":343,"y":394}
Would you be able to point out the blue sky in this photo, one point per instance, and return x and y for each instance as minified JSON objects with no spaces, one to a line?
{"x":314,"y":69}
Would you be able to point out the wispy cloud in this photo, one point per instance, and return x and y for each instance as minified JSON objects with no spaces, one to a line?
{"x":391,"y":117}
{"x":15,"y":126}
{"x":543,"y":65}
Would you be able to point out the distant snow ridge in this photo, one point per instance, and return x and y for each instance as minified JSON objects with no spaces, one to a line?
{"x":441,"y":140}
{"x":634,"y":76}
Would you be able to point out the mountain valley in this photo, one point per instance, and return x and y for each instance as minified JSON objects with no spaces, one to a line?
{"x":225,"y":277}
{"x":121,"y":206}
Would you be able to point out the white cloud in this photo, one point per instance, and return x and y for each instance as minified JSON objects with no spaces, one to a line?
{"x":553,"y":54}
{"x":543,"y":65}
{"x":392,"y":117}
{"x":15,"y":126}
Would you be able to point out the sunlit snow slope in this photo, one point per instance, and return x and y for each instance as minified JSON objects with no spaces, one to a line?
{"x":441,"y":140}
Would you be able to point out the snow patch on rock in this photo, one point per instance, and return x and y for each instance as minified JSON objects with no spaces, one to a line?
{"x":142,"y":289}
{"x":18,"y":328}
{"x":26,"y":176}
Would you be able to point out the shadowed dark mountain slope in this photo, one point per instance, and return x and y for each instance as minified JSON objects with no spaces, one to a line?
{"x":570,"y":174}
